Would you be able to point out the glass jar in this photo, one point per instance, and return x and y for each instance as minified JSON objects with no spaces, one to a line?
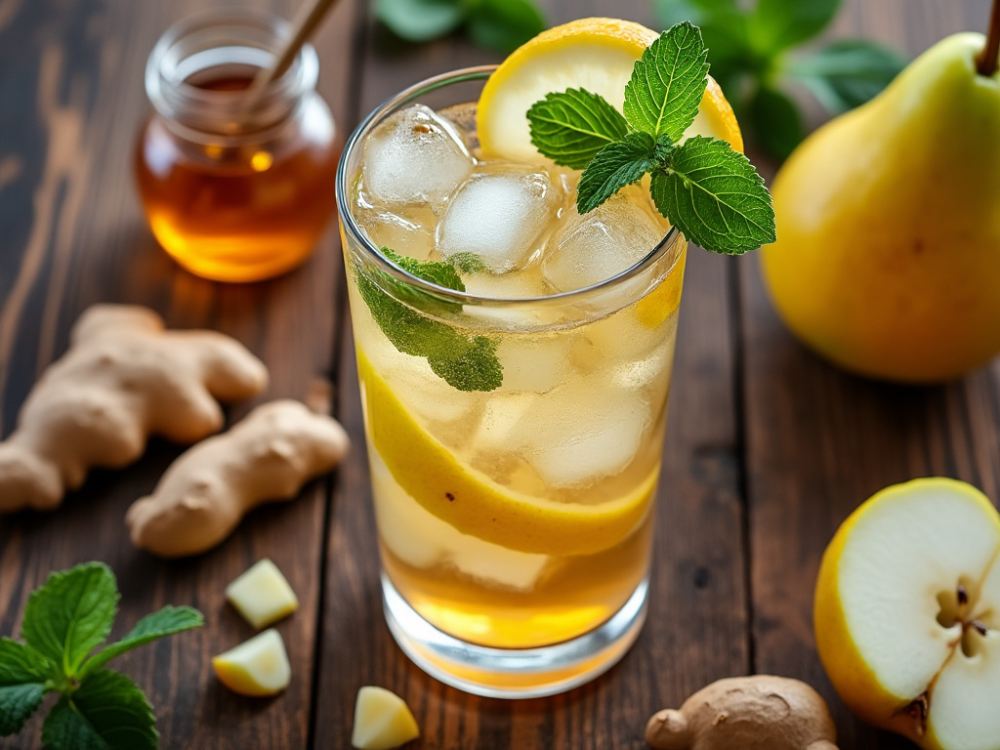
{"x":234,"y":195}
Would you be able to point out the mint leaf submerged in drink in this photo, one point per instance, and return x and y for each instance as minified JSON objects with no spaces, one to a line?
{"x":468,"y":363}
{"x":701,"y":185}
{"x":64,"y":621}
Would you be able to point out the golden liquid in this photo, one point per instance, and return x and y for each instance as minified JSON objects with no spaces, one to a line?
{"x":465,"y":586}
{"x":237,"y":213}
{"x":575,"y":596}
{"x":615,"y":370}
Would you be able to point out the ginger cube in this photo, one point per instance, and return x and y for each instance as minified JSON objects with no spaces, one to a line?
{"x":382,"y":720}
{"x":262,"y":595}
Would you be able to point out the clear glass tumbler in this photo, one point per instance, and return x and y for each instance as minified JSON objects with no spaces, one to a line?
{"x":515,"y":524}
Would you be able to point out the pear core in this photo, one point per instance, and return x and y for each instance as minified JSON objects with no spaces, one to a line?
{"x":907,"y":609}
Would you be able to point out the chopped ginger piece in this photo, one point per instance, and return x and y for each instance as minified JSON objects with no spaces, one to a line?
{"x":256,"y":667}
{"x":262,"y":595}
{"x":382,"y":720}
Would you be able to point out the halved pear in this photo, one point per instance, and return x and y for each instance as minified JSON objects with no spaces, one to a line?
{"x":382,"y":720}
{"x":907,"y":614}
{"x":256,"y":667}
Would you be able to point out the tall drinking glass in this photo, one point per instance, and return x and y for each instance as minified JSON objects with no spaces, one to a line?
{"x":514,"y":445}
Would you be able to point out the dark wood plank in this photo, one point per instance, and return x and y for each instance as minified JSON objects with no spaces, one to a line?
{"x":71,"y":80}
{"x":697,"y":626}
{"x":819,"y":442}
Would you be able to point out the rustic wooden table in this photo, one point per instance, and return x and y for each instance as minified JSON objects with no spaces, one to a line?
{"x":768,"y":448}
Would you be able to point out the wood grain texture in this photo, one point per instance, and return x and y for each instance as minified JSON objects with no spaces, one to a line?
{"x":697,"y":627}
{"x":73,"y":235}
{"x":768,"y":448}
{"x":819,"y":442}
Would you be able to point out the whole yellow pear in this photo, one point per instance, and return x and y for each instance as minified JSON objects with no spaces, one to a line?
{"x":888,"y":253}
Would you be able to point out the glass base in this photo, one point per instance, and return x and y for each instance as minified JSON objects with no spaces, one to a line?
{"x":514,"y":673}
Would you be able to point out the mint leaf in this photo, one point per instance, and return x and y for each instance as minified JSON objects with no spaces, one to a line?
{"x":571,"y":127}
{"x":468,"y":364}
{"x":847,"y":73}
{"x":467,"y":263}
{"x":17,"y":704}
{"x":71,"y":614}
{"x":420,"y":20}
{"x":776,"y":25}
{"x":617,"y":165}
{"x":667,"y":84}
{"x":167,"y":621}
{"x":776,"y":121}
{"x":503,"y":25}
{"x":20,"y":663}
{"x":714,"y":196}
{"x":107,"y":712}
{"x":23,"y":677}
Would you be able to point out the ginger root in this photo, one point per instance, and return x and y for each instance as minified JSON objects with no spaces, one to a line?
{"x":123,"y":379}
{"x":746,"y":713}
{"x":204,"y":494}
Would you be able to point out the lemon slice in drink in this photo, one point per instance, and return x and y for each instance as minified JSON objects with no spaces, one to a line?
{"x":476,"y":505}
{"x":596,"y":54}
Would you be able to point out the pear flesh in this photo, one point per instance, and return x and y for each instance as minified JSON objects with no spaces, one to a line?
{"x":908,"y":614}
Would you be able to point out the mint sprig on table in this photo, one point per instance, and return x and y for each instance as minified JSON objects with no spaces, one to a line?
{"x":701,"y":185}
{"x":64,"y":621}
{"x":468,"y":363}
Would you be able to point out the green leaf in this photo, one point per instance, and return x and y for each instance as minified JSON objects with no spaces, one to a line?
{"x":23,"y":676}
{"x":572,"y":126}
{"x":107,"y":712}
{"x":467,"y":263}
{"x":20,"y":663}
{"x":776,"y":121}
{"x":776,"y":25}
{"x":17,"y":704}
{"x":71,"y":614}
{"x":847,"y":73}
{"x":667,"y":84}
{"x":617,"y":165}
{"x":167,"y":621}
{"x":420,"y":20}
{"x":504,"y":25}
{"x":715,"y":197}
{"x":468,"y":364}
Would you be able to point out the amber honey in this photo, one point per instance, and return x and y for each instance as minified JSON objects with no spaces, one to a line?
{"x":235,"y":199}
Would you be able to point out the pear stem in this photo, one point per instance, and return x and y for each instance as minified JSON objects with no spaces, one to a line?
{"x":988,"y":60}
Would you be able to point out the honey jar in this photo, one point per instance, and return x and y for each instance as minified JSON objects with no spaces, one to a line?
{"x":235,"y":193}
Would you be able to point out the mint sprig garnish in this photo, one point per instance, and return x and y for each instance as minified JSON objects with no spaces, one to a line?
{"x":64,"y":621}
{"x":667,"y":83}
{"x":701,"y":185}
{"x":577,"y":125}
{"x":468,"y":363}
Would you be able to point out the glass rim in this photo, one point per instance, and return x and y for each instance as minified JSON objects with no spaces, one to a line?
{"x":351,"y":227}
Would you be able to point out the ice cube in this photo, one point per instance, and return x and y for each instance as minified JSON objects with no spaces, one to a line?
{"x":408,"y":231}
{"x":511,"y":285}
{"x":409,"y":531}
{"x":497,"y":566}
{"x":534,"y":363}
{"x":594,"y":247}
{"x":583,"y":432}
{"x":623,"y":337}
{"x":498,"y":218}
{"x":421,"y":539}
{"x":501,"y":417}
{"x":414,"y":157}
